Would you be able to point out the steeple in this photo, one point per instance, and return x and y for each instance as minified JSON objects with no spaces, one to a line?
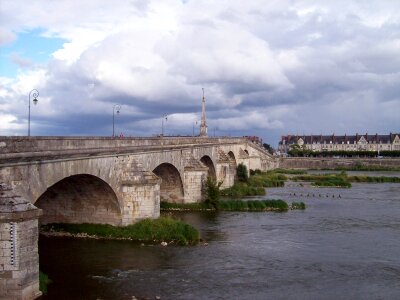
{"x":203,"y":124}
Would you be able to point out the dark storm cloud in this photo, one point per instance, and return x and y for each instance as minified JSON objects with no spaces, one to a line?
{"x":268,"y":69}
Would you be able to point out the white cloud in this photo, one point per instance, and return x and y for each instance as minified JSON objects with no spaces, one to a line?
{"x":268,"y":67}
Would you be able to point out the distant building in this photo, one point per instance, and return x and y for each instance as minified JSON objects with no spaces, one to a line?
{"x":255,"y":139}
{"x":358,"y":142}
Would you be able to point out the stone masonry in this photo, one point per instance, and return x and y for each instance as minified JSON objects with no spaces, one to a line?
{"x":97,"y":180}
{"x":19,"y":258}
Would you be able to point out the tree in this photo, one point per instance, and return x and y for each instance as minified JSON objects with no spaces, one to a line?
{"x":268,"y":148}
{"x":212,"y":192}
{"x":242,"y":173}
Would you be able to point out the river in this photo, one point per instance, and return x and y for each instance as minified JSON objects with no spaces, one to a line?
{"x":338,"y":248}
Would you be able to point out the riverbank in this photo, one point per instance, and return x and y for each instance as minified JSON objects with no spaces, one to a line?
{"x":272,"y":205}
{"x":340,"y":164}
{"x":342,"y":180}
{"x":161,"y":230}
{"x":257,"y":182}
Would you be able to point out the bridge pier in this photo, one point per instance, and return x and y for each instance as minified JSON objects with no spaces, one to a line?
{"x":19,"y":258}
{"x":194,"y":180}
{"x":140,"y":195}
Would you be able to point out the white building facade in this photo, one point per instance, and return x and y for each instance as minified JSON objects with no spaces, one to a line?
{"x":321,"y":143}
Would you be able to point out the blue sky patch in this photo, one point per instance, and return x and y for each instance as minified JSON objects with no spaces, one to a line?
{"x":29,"y":49}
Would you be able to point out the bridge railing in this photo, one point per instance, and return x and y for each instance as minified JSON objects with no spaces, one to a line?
{"x":33,"y":144}
{"x":18,"y":149}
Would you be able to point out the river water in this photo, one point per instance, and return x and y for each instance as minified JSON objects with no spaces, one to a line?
{"x":340,"y":247}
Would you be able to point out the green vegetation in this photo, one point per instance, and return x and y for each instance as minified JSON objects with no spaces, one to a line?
{"x":361,"y":167}
{"x":268,"y":148}
{"x":242,"y":173}
{"x":162,"y":229}
{"x":288,"y":171}
{"x":232,"y":205}
{"x":186,"y":206}
{"x":253,"y":205}
{"x":242,"y":189}
{"x":342,"y":179}
{"x":44,"y":281}
{"x":255,"y":184}
{"x":212,"y":192}
{"x":301,"y":152}
{"x":373,"y":179}
{"x":326,"y":180}
{"x":298,"y":205}
{"x":268,"y":179}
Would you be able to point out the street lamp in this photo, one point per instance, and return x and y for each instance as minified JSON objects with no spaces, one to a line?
{"x":194,"y":123}
{"x":118,"y":108}
{"x":165,"y":116}
{"x":34,"y":93}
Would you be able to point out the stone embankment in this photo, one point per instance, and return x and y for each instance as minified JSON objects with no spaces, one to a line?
{"x":333,"y":163}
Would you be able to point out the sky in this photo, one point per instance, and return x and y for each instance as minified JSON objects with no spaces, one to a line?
{"x":269,"y":68}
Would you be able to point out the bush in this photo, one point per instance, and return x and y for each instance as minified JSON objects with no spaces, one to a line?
{"x":212,"y":192}
{"x":255,"y":172}
{"x":298,"y":205}
{"x":242,"y":189}
{"x":242,"y":173}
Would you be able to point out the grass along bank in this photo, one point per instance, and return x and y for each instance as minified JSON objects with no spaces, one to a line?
{"x":284,"y":171}
{"x":342,"y":179}
{"x":362,"y":167}
{"x":374,"y":179}
{"x":325,"y":180}
{"x":149,"y":231}
{"x":236,"y":205}
{"x":255,"y":184}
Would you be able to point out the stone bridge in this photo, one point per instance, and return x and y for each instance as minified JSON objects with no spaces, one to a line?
{"x":100,"y":180}
{"x":119,"y":180}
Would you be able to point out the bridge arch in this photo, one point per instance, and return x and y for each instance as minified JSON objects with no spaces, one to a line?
{"x":232,"y":158}
{"x":171,"y":187}
{"x":206,"y":160}
{"x":80,"y":198}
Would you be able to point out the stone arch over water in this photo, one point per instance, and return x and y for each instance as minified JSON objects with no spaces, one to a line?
{"x":206,"y":160}
{"x":171,"y":187}
{"x":232,"y":164}
{"x":232,"y":158}
{"x":81,"y":198}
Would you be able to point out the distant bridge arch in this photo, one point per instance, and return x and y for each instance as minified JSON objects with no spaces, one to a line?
{"x":232,"y":158}
{"x":207,"y":161}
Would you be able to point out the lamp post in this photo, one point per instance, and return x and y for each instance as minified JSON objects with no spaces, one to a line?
{"x":34,"y":93}
{"x":117,"y":107}
{"x":194,"y":123}
{"x":165,"y":116}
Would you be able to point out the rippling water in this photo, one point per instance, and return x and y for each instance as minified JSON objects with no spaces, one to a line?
{"x":338,"y":248}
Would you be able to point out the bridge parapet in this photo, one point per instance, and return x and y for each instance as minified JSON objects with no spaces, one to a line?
{"x":34,"y":144}
{"x":26,"y":149}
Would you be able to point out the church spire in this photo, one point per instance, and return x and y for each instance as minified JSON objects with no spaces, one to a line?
{"x":203,"y":124}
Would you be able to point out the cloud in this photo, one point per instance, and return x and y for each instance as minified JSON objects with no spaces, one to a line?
{"x":20,"y":61}
{"x":6,"y":37}
{"x":286,"y":67}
